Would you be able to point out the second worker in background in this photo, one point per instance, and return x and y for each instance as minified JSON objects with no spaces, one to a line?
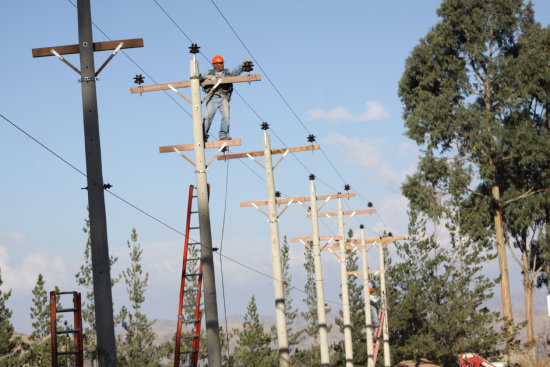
{"x":220,"y":97}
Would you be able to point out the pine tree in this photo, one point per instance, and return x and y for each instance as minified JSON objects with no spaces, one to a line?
{"x":9,"y":343}
{"x":84,"y":278}
{"x":253,"y":343}
{"x":294,"y":336}
{"x":310,"y":356}
{"x":135,"y":347}
{"x":38,"y":353}
{"x":436,"y":297}
{"x":310,"y":296}
{"x":472,"y":89}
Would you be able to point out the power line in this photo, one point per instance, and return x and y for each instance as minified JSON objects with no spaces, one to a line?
{"x":285,"y":102}
{"x":137,"y":65}
{"x":133,"y":205}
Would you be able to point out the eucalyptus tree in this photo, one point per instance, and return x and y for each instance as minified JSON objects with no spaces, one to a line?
{"x":471,"y":91}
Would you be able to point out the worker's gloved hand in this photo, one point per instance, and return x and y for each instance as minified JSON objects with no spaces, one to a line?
{"x":212,"y":78}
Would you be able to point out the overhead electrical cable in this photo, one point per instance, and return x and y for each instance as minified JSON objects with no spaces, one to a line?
{"x":58,"y":156}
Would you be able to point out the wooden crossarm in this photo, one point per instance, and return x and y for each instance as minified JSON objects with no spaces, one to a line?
{"x":333,"y":214}
{"x":273,"y":151}
{"x":187,"y":83}
{"x":207,"y":145}
{"x":98,"y":46}
{"x":309,"y":239}
{"x":299,"y":198}
{"x":357,"y":241}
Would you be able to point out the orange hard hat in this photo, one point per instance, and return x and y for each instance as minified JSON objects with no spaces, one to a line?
{"x":370,"y":290}
{"x":217,"y":59}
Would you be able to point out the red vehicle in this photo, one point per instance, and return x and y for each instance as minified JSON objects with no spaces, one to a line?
{"x":473,"y":360}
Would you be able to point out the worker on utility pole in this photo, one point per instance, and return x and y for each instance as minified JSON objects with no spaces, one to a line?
{"x":220,"y":97}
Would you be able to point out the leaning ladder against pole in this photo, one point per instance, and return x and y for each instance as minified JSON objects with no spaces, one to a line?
{"x":193,"y":353}
{"x":78,"y":351}
{"x":378,"y":331}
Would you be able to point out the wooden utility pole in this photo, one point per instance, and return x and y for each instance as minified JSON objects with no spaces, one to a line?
{"x":273,"y":216}
{"x":323,"y":329}
{"x":103,"y":299}
{"x":348,"y":342}
{"x":200,"y":164}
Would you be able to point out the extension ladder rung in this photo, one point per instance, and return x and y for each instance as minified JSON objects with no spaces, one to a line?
{"x":193,"y":212}
{"x":191,"y":321}
{"x":194,"y":227}
{"x":76,"y":329}
{"x":192,"y":274}
{"x":74,"y":309}
{"x":194,"y":259}
{"x":193,"y":243}
{"x":69,"y":352}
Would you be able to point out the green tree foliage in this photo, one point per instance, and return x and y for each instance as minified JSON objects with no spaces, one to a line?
{"x":84,"y":278}
{"x":476,"y":88}
{"x":10,"y":344}
{"x":38,"y":352}
{"x":135,"y":347}
{"x":294,"y":336}
{"x":310,"y":296}
{"x":40,"y":311}
{"x":436,"y":296}
{"x":253,"y":343}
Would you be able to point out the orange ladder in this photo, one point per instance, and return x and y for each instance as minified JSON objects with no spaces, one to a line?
{"x":377,"y":332}
{"x":193,"y":353}
{"x":78,"y":351}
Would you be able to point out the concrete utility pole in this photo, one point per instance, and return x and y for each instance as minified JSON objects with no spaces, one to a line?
{"x":280,"y":312}
{"x":352,"y":245}
{"x":103,"y":302}
{"x":273,"y":217}
{"x":321,"y":313}
{"x":209,"y":283}
{"x":366,"y":288}
{"x":207,"y":260}
{"x":103,"y":299}
{"x":385,"y":333}
{"x":348,"y":344}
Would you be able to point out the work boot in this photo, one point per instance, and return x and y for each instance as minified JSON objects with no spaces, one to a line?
{"x":226,"y":138}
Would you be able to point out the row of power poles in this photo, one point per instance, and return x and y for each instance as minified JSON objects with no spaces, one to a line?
{"x":98,"y":228}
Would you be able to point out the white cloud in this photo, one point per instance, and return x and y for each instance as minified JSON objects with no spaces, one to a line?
{"x":367,"y":153}
{"x":374,"y":111}
{"x":22,"y":278}
{"x":13,"y":237}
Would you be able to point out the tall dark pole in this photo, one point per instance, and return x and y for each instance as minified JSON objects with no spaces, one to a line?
{"x":96,"y":201}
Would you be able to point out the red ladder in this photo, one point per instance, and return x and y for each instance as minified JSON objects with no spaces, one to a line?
{"x":378,"y":331}
{"x":78,"y":351}
{"x":193,"y":353}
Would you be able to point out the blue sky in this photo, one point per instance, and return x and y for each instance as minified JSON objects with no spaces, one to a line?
{"x":337,"y":64}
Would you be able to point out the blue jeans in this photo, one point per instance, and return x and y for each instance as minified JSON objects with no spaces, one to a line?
{"x":214,"y":103}
{"x":374,"y":316}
